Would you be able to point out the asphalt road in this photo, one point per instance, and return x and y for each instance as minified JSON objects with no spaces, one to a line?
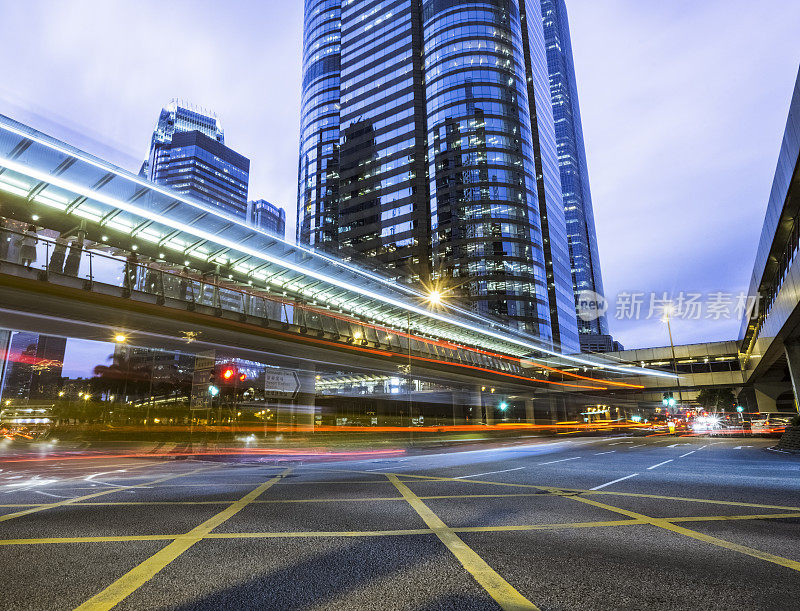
{"x":580,"y":523}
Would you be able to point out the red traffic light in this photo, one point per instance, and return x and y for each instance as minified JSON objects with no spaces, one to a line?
{"x":242,"y":377}
{"x":228,"y":373}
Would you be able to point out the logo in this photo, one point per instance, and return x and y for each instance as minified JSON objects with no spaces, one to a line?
{"x":590,"y":305}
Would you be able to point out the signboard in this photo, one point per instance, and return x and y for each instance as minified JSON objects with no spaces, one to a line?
{"x":281,"y":384}
{"x":201,"y":380}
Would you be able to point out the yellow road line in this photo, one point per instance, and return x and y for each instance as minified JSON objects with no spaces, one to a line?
{"x":563,"y":525}
{"x":383,"y":533}
{"x":101,"y":539}
{"x":321,"y":533}
{"x":497,"y":587}
{"x":762,"y":516}
{"x":15,"y":505}
{"x":19,"y":514}
{"x":256,"y":502}
{"x":668,"y":525}
{"x":691,"y":500}
{"x":141,"y":574}
{"x":568,"y":491}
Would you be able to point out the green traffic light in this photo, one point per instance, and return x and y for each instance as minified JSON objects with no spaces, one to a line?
{"x":503,"y":406}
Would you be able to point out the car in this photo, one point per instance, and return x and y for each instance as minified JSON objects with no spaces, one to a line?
{"x":772,"y":425}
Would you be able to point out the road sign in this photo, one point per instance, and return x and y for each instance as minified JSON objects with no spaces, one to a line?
{"x":281,"y":384}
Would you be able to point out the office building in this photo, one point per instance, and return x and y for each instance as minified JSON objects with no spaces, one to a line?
{"x":188,"y":154}
{"x":428,"y":145}
{"x":33,"y":365}
{"x":577,"y":196}
{"x":268,"y":217}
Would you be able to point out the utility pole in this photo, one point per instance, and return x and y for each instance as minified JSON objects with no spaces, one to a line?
{"x":667,"y":312}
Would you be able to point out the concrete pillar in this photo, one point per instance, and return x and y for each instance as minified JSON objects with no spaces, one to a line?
{"x":764,"y":402}
{"x":489,"y":406}
{"x":792,"y":350}
{"x":530,"y":417}
{"x":304,"y":408}
{"x":458,"y":404}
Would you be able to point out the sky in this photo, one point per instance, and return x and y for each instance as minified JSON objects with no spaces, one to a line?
{"x":683,"y":103}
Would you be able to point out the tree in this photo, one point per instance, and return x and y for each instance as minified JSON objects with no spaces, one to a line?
{"x":716,"y":399}
{"x":123,"y":377}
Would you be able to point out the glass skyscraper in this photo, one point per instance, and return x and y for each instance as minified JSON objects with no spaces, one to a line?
{"x":188,"y":154}
{"x":428,"y":144}
{"x":263,"y":215}
{"x":572,"y":163}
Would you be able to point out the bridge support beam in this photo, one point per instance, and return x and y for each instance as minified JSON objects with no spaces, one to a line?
{"x":792,"y":350}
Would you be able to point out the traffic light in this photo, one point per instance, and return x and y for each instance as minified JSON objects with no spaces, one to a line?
{"x":228,"y":373}
{"x":668,"y":400}
{"x":503,"y":406}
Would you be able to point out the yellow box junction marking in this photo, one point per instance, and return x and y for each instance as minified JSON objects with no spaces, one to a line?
{"x":667,"y":525}
{"x":497,"y":587}
{"x":141,"y":574}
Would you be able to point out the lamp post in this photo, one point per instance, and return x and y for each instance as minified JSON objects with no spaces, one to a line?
{"x":667,"y":312}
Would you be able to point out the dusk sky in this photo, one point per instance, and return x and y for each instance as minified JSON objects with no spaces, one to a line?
{"x":683,"y":102}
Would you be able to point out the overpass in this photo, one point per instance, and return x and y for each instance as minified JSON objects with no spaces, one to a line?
{"x":163,"y":269}
{"x":770,"y":337}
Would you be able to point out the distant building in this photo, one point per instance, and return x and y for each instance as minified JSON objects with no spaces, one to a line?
{"x":599,"y":342}
{"x":263,"y":215}
{"x":188,"y":154}
{"x":33,"y":366}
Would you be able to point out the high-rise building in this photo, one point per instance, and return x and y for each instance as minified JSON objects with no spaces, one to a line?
{"x":581,"y":233}
{"x":427,"y":143}
{"x":188,"y":154}
{"x":269,"y":217}
{"x":33,"y":366}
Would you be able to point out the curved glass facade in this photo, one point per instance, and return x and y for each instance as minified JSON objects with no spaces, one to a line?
{"x":318,"y":182}
{"x":421,"y":148}
{"x":484,"y":207}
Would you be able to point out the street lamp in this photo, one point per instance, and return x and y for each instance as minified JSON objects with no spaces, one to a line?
{"x":120,"y":338}
{"x":667,"y":311}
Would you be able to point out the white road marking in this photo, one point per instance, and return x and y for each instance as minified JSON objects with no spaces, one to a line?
{"x":675,"y":445}
{"x":741,"y":447}
{"x":562,"y":460}
{"x":614,"y":482}
{"x":639,"y":446}
{"x":661,"y":463}
{"x":489,"y":473}
{"x":619,"y":442}
{"x":609,"y":452}
{"x":687,"y":453}
{"x":89,"y":478}
{"x":58,"y":496}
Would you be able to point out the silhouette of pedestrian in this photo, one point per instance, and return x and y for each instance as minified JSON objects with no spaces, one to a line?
{"x":28,"y":247}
